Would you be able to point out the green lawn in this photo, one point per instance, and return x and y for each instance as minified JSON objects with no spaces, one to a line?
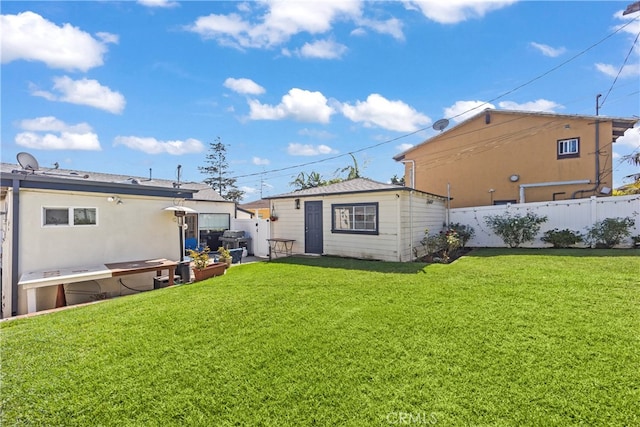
{"x":499,"y":337}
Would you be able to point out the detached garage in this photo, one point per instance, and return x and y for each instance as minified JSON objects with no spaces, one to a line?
{"x":358,"y":218}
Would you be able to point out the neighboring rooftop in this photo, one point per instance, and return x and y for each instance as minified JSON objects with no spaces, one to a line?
{"x":256,"y":204}
{"x":619,"y":124}
{"x":203,"y":191}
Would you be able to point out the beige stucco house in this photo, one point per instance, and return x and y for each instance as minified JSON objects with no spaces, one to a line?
{"x":500,"y":156}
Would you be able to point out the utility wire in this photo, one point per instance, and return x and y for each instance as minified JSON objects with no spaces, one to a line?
{"x":562,"y":64}
{"x":621,"y":68}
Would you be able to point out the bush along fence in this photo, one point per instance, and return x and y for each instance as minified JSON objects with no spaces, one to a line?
{"x":593,"y":222}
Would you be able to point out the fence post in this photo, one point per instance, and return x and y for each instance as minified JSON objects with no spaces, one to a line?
{"x":594,"y":214}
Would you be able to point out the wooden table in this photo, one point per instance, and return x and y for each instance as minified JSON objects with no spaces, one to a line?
{"x":280,"y":245}
{"x":58,"y":277}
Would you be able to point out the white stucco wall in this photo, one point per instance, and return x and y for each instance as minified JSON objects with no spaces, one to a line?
{"x":137,"y":229}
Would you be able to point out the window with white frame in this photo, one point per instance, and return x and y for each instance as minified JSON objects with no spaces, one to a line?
{"x":69,"y":216}
{"x":357,"y":218}
{"x":568,"y":148}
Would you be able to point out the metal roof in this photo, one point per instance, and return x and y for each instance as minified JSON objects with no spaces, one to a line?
{"x":69,"y":179}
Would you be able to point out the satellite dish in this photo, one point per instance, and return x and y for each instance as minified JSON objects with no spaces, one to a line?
{"x":27,"y":161}
{"x":441,"y":124}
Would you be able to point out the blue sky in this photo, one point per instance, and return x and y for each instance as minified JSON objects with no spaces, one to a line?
{"x":122,"y":87}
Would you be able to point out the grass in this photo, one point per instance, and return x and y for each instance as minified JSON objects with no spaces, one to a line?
{"x":499,"y":337}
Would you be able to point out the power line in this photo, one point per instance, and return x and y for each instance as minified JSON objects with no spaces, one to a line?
{"x":621,"y":68}
{"x":388,"y":141}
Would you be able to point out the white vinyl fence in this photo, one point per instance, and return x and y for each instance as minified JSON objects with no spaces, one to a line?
{"x":259,"y":231}
{"x":577,"y":215}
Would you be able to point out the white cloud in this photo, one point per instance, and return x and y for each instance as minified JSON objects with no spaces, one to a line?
{"x":547,"y":50}
{"x":403,"y":147}
{"x":64,"y":141}
{"x":159,"y":3}
{"x":314,"y":133}
{"x":108,"y":37}
{"x":248,"y":190}
{"x":629,"y":70}
{"x":260,"y":162}
{"x":462,"y":110}
{"x":298,"y":104}
{"x":52,"y":124}
{"x":50,"y":133}
{"x":454,"y":11}
{"x":543,"y":105}
{"x":296,"y":149}
{"x":281,"y":20}
{"x":30,"y":37}
{"x":244,"y":86}
{"x":630,"y":141}
{"x":392,"y":26}
{"x":391,"y":115}
{"x":323,"y":49}
{"x":84,"y":92}
{"x":154,"y":146}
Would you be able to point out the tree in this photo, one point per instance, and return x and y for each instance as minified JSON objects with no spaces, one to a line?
{"x":354,"y":172}
{"x":397,"y":181}
{"x":304,"y":181}
{"x":218,"y":172}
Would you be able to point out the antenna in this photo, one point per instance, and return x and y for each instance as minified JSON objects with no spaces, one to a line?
{"x":441,"y":125}
{"x":27,"y":161}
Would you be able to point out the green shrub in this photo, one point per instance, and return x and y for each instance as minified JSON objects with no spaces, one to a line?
{"x":465,"y":232}
{"x":561,"y":238}
{"x":515,"y":229}
{"x":610,"y":231}
{"x":442,"y":245}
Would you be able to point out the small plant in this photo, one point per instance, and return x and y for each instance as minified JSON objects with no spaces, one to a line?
{"x":465,"y":232}
{"x":452,"y":243}
{"x":610,"y":231}
{"x":561,"y":238}
{"x":200,"y":257}
{"x":224,"y":253}
{"x":441,"y":246}
{"x":515,"y":230}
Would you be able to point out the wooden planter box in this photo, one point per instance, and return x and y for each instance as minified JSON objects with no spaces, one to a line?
{"x":212,"y":270}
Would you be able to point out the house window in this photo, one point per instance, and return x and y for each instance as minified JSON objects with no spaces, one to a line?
{"x":69,"y":216}
{"x":214,"y":221}
{"x":359,"y":218}
{"x":568,"y":148}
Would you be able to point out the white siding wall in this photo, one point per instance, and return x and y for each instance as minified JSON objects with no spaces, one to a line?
{"x":420,"y":212}
{"x":576,"y":215}
{"x":397,"y":227}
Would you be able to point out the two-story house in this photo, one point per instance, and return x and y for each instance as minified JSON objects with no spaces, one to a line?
{"x":501,"y":156}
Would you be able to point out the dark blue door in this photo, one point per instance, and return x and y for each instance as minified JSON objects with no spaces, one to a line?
{"x":313,"y":227}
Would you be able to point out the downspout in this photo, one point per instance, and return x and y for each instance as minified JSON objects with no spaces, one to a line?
{"x":413,"y":184}
{"x":398,"y":229}
{"x":597,"y":183}
{"x":15,"y":246}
